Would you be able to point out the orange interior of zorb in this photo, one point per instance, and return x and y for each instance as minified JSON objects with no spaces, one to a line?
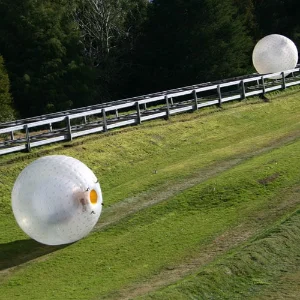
{"x":93,"y":197}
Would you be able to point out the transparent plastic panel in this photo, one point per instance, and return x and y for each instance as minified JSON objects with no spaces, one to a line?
{"x":274,"y":53}
{"x":56,"y":200}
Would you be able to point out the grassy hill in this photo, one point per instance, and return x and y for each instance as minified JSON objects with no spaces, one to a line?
{"x":202,"y":206}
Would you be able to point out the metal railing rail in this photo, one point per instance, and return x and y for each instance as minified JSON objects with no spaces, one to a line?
{"x":27,"y":133}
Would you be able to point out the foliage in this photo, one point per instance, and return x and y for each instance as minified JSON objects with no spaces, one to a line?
{"x":188,"y":42}
{"x":246,"y":9}
{"x":277,"y":16}
{"x":63,"y":54}
{"x":42,"y":52}
{"x":7,"y":112}
{"x":109,"y":29}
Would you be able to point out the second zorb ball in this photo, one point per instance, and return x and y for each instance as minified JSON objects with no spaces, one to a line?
{"x":56,"y":200}
{"x":274,"y":53}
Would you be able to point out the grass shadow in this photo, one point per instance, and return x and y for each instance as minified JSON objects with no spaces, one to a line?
{"x":18,"y":252}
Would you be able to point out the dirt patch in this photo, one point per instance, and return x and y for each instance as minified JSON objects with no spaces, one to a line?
{"x":269,"y":179}
{"x":132,"y":205}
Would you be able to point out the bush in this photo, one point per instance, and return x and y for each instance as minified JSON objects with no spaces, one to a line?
{"x":7,"y":112}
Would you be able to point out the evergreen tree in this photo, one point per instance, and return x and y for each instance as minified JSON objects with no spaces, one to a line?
{"x":7,"y":112}
{"x":109,"y":31}
{"x":280,"y":17}
{"x":191,"y":41}
{"x":246,"y":10}
{"x":41,"y":46}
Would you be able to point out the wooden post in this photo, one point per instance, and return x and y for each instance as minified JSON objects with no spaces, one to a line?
{"x":167,"y":107}
{"x":283,"y":81}
{"x":263,"y":84}
{"x":69,"y":128}
{"x":138,"y":113}
{"x":27,"y":138}
{"x":219,"y":96}
{"x":195,"y":99}
{"x":104,"y":120}
{"x":243,"y":89}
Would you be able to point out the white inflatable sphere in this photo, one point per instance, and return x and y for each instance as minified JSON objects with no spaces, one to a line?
{"x":56,"y":200}
{"x":274,"y":53}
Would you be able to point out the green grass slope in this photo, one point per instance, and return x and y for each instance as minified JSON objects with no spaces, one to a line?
{"x":265,"y":268}
{"x":203,"y":206}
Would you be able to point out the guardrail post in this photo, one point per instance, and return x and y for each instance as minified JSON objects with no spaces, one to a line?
{"x":171,"y":101}
{"x":283,"y":81}
{"x":28,"y":148}
{"x":138,"y":113}
{"x":243,"y":89}
{"x":195,"y":99}
{"x":167,"y":107}
{"x":104,"y":120}
{"x":50,"y":127}
{"x":145,"y":106}
{"x":263,"y":84}
{"x":117,"y":114}
{"x":69,"y":128}
{"x":84,"y":119}
{"x":12,"y":136}
{"x":219,"y":96}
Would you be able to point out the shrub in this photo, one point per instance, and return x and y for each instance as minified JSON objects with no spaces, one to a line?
{"x":7,"y":112}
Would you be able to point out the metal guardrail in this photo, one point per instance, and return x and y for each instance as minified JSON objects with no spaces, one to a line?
{"x":27,"y":133}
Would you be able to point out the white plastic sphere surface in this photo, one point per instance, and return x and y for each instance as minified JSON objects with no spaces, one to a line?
{"x":274,"y":53}
{"x":56,"y":200}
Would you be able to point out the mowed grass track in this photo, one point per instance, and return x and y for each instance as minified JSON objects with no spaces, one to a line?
{"x":183,"y":198}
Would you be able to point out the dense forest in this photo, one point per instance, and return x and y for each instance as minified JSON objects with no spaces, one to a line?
{"x":62,"y":54}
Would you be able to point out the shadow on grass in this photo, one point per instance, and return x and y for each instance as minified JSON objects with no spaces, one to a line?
{"x":18,"y":252}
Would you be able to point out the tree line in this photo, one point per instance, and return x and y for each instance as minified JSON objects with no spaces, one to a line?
{"x":62,"y":54}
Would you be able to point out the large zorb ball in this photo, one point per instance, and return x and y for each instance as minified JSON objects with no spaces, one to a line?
{"x":274,"y":53}
{"x":56,"y":200}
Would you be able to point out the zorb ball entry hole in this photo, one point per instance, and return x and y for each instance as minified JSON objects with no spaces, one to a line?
{"x":93,"y":197}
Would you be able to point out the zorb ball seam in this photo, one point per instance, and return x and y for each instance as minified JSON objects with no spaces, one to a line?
{"x":274,"y":53}
{"x":56,"y":200}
